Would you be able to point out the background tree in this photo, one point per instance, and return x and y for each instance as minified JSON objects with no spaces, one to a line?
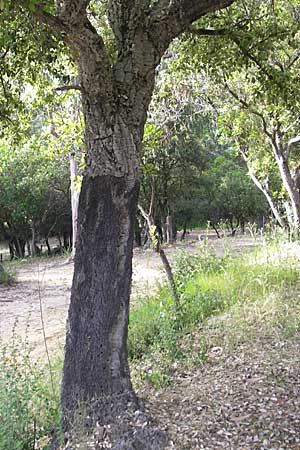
{"x":34,"y":200}
{"x":252,"y":63}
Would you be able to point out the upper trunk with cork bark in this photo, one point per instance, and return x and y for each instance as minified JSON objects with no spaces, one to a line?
{"x":115,"y":97}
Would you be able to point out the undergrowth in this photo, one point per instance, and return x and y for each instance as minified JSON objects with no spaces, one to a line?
{"x":232,"y":297}
{"x":223,"y":301}
{"x":6,"y":276}
{"x":29,"y":401}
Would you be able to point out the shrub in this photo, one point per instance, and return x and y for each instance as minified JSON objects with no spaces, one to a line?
{"x":29,"y":405}
{"x":5,"y":277}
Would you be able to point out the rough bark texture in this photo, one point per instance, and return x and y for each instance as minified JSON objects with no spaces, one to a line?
{"x":98,"y":314}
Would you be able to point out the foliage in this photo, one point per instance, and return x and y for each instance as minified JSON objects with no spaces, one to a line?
{"x":6,"y":277}
{"x":193,"y":174}
{"x":29,"y":407}
{"x":34,"y":189}
{"x":31,"y":59}
{"x":251,"y":68}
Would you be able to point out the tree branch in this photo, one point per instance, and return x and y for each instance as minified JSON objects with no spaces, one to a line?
{"x":253,"y":111}
{"x":68,"y":87}
{"x":206,"y":32}
{"x":291,"y":142}
{"x":174,"y":17}
{"x":73,"y":11}
{"x":53,"y":22}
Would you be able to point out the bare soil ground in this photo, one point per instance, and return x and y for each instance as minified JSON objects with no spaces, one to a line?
{"x":42,"y":290}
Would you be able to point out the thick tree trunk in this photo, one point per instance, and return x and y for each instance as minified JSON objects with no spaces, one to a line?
{"x":96,"y":367}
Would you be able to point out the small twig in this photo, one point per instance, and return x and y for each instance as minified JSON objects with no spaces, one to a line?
{"x":44,"y":331}
{"x":68,"y":87}
{"x":158,"y":249}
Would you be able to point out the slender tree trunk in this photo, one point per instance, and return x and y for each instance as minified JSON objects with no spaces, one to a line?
{"x":158,"y":248}
{"x":287,"y":178}
{"x":48,"y":246}
{"x":264,"y":189}
{"x":11,"y":250}
{"x":183,"y":233}
{"x":169,"y":226}
{"x":33,"y":239}
{"x":18,"y":248}
{"x":216,"y":230}
{"x":137,"y":233}
{"x":269,"y":199}
{"x":170,"y":276}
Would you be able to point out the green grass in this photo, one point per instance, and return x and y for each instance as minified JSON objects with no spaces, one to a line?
{"x":234,"y":297}
{"x":6,"y":276}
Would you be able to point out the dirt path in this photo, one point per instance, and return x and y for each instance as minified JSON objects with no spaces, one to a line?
{"x":45,"y":285}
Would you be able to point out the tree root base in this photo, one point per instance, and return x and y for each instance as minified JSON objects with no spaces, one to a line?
{"x":129,"y":430}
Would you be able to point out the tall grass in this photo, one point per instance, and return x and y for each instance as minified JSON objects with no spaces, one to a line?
{"x":29,"y":408}
{"x":209,"y":286}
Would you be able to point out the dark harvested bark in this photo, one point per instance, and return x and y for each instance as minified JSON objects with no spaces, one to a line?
{"x":97,"y":326}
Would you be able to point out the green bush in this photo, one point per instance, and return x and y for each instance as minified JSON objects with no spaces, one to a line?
{"x":29,"y":402}
{"x":186,"y":266}
{"x":5,"y":277}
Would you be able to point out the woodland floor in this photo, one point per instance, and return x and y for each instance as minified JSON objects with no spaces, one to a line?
{"x":244,"y":396}
{"x":247,"y":398}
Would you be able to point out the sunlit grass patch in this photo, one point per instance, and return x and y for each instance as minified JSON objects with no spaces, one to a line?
{"x":224,"y":301}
